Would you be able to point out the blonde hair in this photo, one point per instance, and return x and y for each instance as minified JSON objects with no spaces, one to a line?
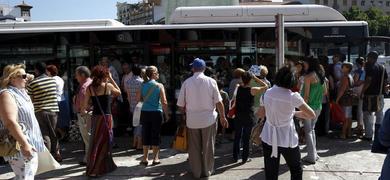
{"x":149,"y":72}
{"x":237,"y":73}
{"x":10,"y":72}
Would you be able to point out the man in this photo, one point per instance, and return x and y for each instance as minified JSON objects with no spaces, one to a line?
{"x":199,"y":95}
{"x":372,"y":92}
{"x":43,"y":92}
{"x":84,"y":121}
{"x":127,"y":74}
{"x":335,"y":73}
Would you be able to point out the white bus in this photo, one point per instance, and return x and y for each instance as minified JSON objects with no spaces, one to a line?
{"x":225,"y":36}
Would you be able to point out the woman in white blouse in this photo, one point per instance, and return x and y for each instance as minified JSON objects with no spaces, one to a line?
{"x":279,"y":135}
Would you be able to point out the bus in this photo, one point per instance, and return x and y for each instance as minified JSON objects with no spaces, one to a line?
{"x":226,"y":37}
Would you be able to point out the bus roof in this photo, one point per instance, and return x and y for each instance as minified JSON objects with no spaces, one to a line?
{"x":112,"y":25}
{"x":253,"y":13}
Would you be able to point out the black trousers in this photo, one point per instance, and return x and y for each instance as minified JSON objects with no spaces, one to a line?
{"x":151,"y":127}
{"x":292,"y":157}
{"x":243,"y":132}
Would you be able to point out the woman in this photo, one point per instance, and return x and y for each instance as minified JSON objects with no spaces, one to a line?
{"x":63,"y":118}
{"x":154,"y":104}
{"x":245,"y":117}
{"x":345,"y":83}
{"x":279,"y":135}
{"x":298,"y":74}
{"x":235,"y":81}
{"x":100,"y":92}
{"x":17,"y":116}
{"x":312,"y":92}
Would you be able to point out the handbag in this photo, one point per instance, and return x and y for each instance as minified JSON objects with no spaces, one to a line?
{"x":8,"y":145}
{"x":46,"y":162}
{"x":337,"y":113}
{"x":349,"y":97}
{"x":373,"y":103}
{"x":180,"y":142}
{"x":138,"y":108}
{"x":232,"y":105}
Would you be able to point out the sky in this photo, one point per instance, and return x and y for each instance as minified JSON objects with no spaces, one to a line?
{"x":49,"y":10}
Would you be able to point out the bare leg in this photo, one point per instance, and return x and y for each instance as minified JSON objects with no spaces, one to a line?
{"x":146,"y":153}
{"x":139,"y":144}
{"x":156,"y":152}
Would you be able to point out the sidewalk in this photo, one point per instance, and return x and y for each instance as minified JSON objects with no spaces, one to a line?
{"x":340,"y":159}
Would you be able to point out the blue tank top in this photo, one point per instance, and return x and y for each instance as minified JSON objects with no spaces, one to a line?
{"x":153,"y":103}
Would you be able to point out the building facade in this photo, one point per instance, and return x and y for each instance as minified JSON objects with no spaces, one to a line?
{"x":345,"y":5}
{"x":144,"y":12}
{"x":158,"y":11}
{"x":19,"y":12}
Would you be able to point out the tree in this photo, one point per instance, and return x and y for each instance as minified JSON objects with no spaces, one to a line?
{"x":378,"y":22}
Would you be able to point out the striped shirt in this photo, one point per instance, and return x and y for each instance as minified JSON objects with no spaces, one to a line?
{"x":26,"y":119}
{"x":43,"y":91}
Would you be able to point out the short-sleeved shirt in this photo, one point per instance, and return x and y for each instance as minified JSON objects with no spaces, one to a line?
{"x":279,"y":129}
{"x":133,"y":85}
{"x":60,"y":88}
{"x":43,"y":91}
{"x":375,"y":73}
{"x":81,"y":94}
{"x":199,"y":94}
{"x":153,"y":102}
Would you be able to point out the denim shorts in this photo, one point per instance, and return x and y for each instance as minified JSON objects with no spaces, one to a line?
{"x":138,"y":131}
{"x":347,"y":111}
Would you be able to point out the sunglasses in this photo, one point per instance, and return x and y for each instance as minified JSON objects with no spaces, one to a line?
{"x":23,"y":76}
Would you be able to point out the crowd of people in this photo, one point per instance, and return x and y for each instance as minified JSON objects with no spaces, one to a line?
{"x":291,"y":108}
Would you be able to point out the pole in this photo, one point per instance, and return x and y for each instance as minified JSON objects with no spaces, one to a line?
{"x":279,"y":40}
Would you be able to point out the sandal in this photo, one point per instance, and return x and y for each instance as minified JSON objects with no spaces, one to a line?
{"x":145,"y":163}
{"x":156,"y":163}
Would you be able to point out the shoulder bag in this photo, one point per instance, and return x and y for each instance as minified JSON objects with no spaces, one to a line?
{"x":373,"y":103}
{"x":138,"y":107}
{"x":8,"y":145}
{"x":46,"y":162}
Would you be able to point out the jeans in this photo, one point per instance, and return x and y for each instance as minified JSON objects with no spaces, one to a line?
{"x":310,"y":135}
{"x":368,"y":119}
{"x":243,"y":132}
{"x":292,"y":157}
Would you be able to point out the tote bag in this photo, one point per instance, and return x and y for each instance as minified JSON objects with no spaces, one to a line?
{"x":137,"y":114}
{"x":180,"y":143}
{"x":46,"y":162}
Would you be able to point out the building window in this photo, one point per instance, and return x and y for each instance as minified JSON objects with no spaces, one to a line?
{"x":380,"y":3}
{"x":372,"y":3}
{"x":354,"y":2}
{"x":387,"y":3}
{"x":317,"y":2}
{"x":1,"y":12}
{"x":345,"y":3}
{"x":326,"y":2}
{"x":363,"y":3}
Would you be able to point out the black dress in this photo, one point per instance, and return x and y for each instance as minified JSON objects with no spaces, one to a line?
{"x":244,"y":122}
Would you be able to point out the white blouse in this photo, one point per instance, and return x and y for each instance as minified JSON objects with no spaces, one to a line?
{"x":279,"y":129}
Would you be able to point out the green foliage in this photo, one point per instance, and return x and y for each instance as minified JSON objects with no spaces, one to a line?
{"x":378,"y":22}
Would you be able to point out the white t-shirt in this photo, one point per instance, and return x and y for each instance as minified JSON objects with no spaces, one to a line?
{"x":198,"y":95}
{"x":279,"y":129}
{"x":60,"y":88}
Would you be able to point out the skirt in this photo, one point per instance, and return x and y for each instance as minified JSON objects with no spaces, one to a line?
{"x":100,"y":146}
